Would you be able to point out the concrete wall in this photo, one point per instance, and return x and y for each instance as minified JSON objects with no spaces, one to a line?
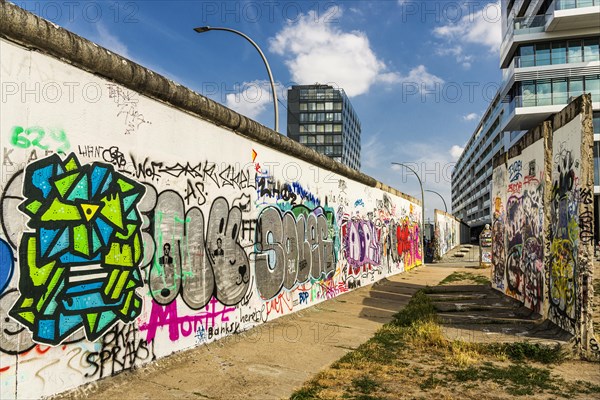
{"x":140,"y":219}
{"x":542,"y":229}
{"x":447,"y":232}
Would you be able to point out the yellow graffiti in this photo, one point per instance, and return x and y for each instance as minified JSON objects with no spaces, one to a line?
{"x":562,"y":283}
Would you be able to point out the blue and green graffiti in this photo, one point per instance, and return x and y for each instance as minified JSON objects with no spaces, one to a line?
{"x":79,"y":267}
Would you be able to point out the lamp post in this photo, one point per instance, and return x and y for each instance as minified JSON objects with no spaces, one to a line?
{"x":445,"y":206}
{"x":203,"y":29}
{"x":422,"y":208}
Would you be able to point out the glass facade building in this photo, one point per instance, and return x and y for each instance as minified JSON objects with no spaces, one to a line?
{"x":550,"y":53}
{"x":322,"y":118}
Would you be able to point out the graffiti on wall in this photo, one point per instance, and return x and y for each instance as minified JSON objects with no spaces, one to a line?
{"x":114,"y":254}
{"x":446,"y":233}
{"x":564,"y":238}
{"x":79,"y":265}
{"x":517,"y":228}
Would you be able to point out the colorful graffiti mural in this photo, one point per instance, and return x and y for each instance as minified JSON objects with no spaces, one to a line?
{"x":79,"y":266}
{"x":123,"y":247}
{"x":542,"y":236}
{"x":446,"y":233}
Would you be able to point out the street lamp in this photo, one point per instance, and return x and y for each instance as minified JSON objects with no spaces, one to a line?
{"x":445,"y":206}
{"x":203,"y":29}
{"x":422,"y":208}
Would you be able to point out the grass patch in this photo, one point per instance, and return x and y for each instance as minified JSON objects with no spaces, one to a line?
{"x":364,"y":384}
{"x":409,"y":357}
{"x":521,"y":351}
{"x":464,"y":276}
{"x":518,"y":379}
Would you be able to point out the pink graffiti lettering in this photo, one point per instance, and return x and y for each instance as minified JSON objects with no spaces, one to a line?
{"x":167,"y":316}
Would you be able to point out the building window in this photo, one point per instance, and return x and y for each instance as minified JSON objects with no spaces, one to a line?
{"x":559,"y":53}
{"x":575,"y":53}
{"x":591,"y":50}
{"x":560,"y":94}
{"x":592,"y":85}
{"x":337,"y":106}
{"x":542,"y":54}
{"x":302,"y":139}
{"x":303,"y":106}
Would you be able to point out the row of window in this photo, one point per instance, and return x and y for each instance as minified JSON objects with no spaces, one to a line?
{"x":320,"y":139}
{"x":327,"y":150}
{"x":323,"y":106}
{"x":320,"y":94}
{"x":556,"y":91}
{"x":314,"y":128}
{"x":321,"y":117}
{"x":562,"y":52}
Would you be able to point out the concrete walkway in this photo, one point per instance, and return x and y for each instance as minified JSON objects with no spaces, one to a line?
{"x":273,"y":359}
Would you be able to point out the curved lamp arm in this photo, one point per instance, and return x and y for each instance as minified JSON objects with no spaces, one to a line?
{"x":203,"y":29}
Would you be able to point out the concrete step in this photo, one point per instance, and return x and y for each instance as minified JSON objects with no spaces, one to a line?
{"x":501,"y":317}
{"x":468,"y":306}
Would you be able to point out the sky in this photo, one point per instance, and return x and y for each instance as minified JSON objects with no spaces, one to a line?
{"x":419,"y":73}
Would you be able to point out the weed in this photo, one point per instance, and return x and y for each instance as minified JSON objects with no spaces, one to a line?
{"x":364,"y":384}
{"x":519,"y":379}
{"x":431,"y":383}
{"x":464,"y":276}
{"x":419,"y":308}
{"x":520,"y":351}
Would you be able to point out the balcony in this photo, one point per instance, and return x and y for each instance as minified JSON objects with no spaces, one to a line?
{"x":525,"y":112}
{"x":571,"y":4}
{"x":562,"y":17}
{"x":573,"y":14}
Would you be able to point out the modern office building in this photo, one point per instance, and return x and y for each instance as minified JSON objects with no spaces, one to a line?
{"x":550,"y":53}
{"x":472,"y":174}
{"x":321,"y":117}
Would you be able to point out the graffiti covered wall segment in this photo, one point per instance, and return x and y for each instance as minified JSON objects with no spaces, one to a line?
{"x":123,"y":247}
{"x":447,"y":232}
{"x":542,"y":229}
{"x":79,"y":267}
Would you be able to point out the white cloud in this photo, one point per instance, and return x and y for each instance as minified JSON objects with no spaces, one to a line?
{"x":421,"y":78}
{"x":371,"y":152}
{"x":482,"y":27}
{"x":456,"y":151}
{"x":470,"y":117}
{"x":456,"y":51}
{"x":110,"y":41}
{"x":316,"y":51}
{"x":251,"y":99}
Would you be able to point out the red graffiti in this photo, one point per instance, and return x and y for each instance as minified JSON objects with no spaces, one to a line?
{"x":515,"y":187}
{"x":281,"y":304}
{"x":530,"y":178}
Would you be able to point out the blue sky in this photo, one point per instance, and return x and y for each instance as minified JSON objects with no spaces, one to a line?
{"x":419,"y":73}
